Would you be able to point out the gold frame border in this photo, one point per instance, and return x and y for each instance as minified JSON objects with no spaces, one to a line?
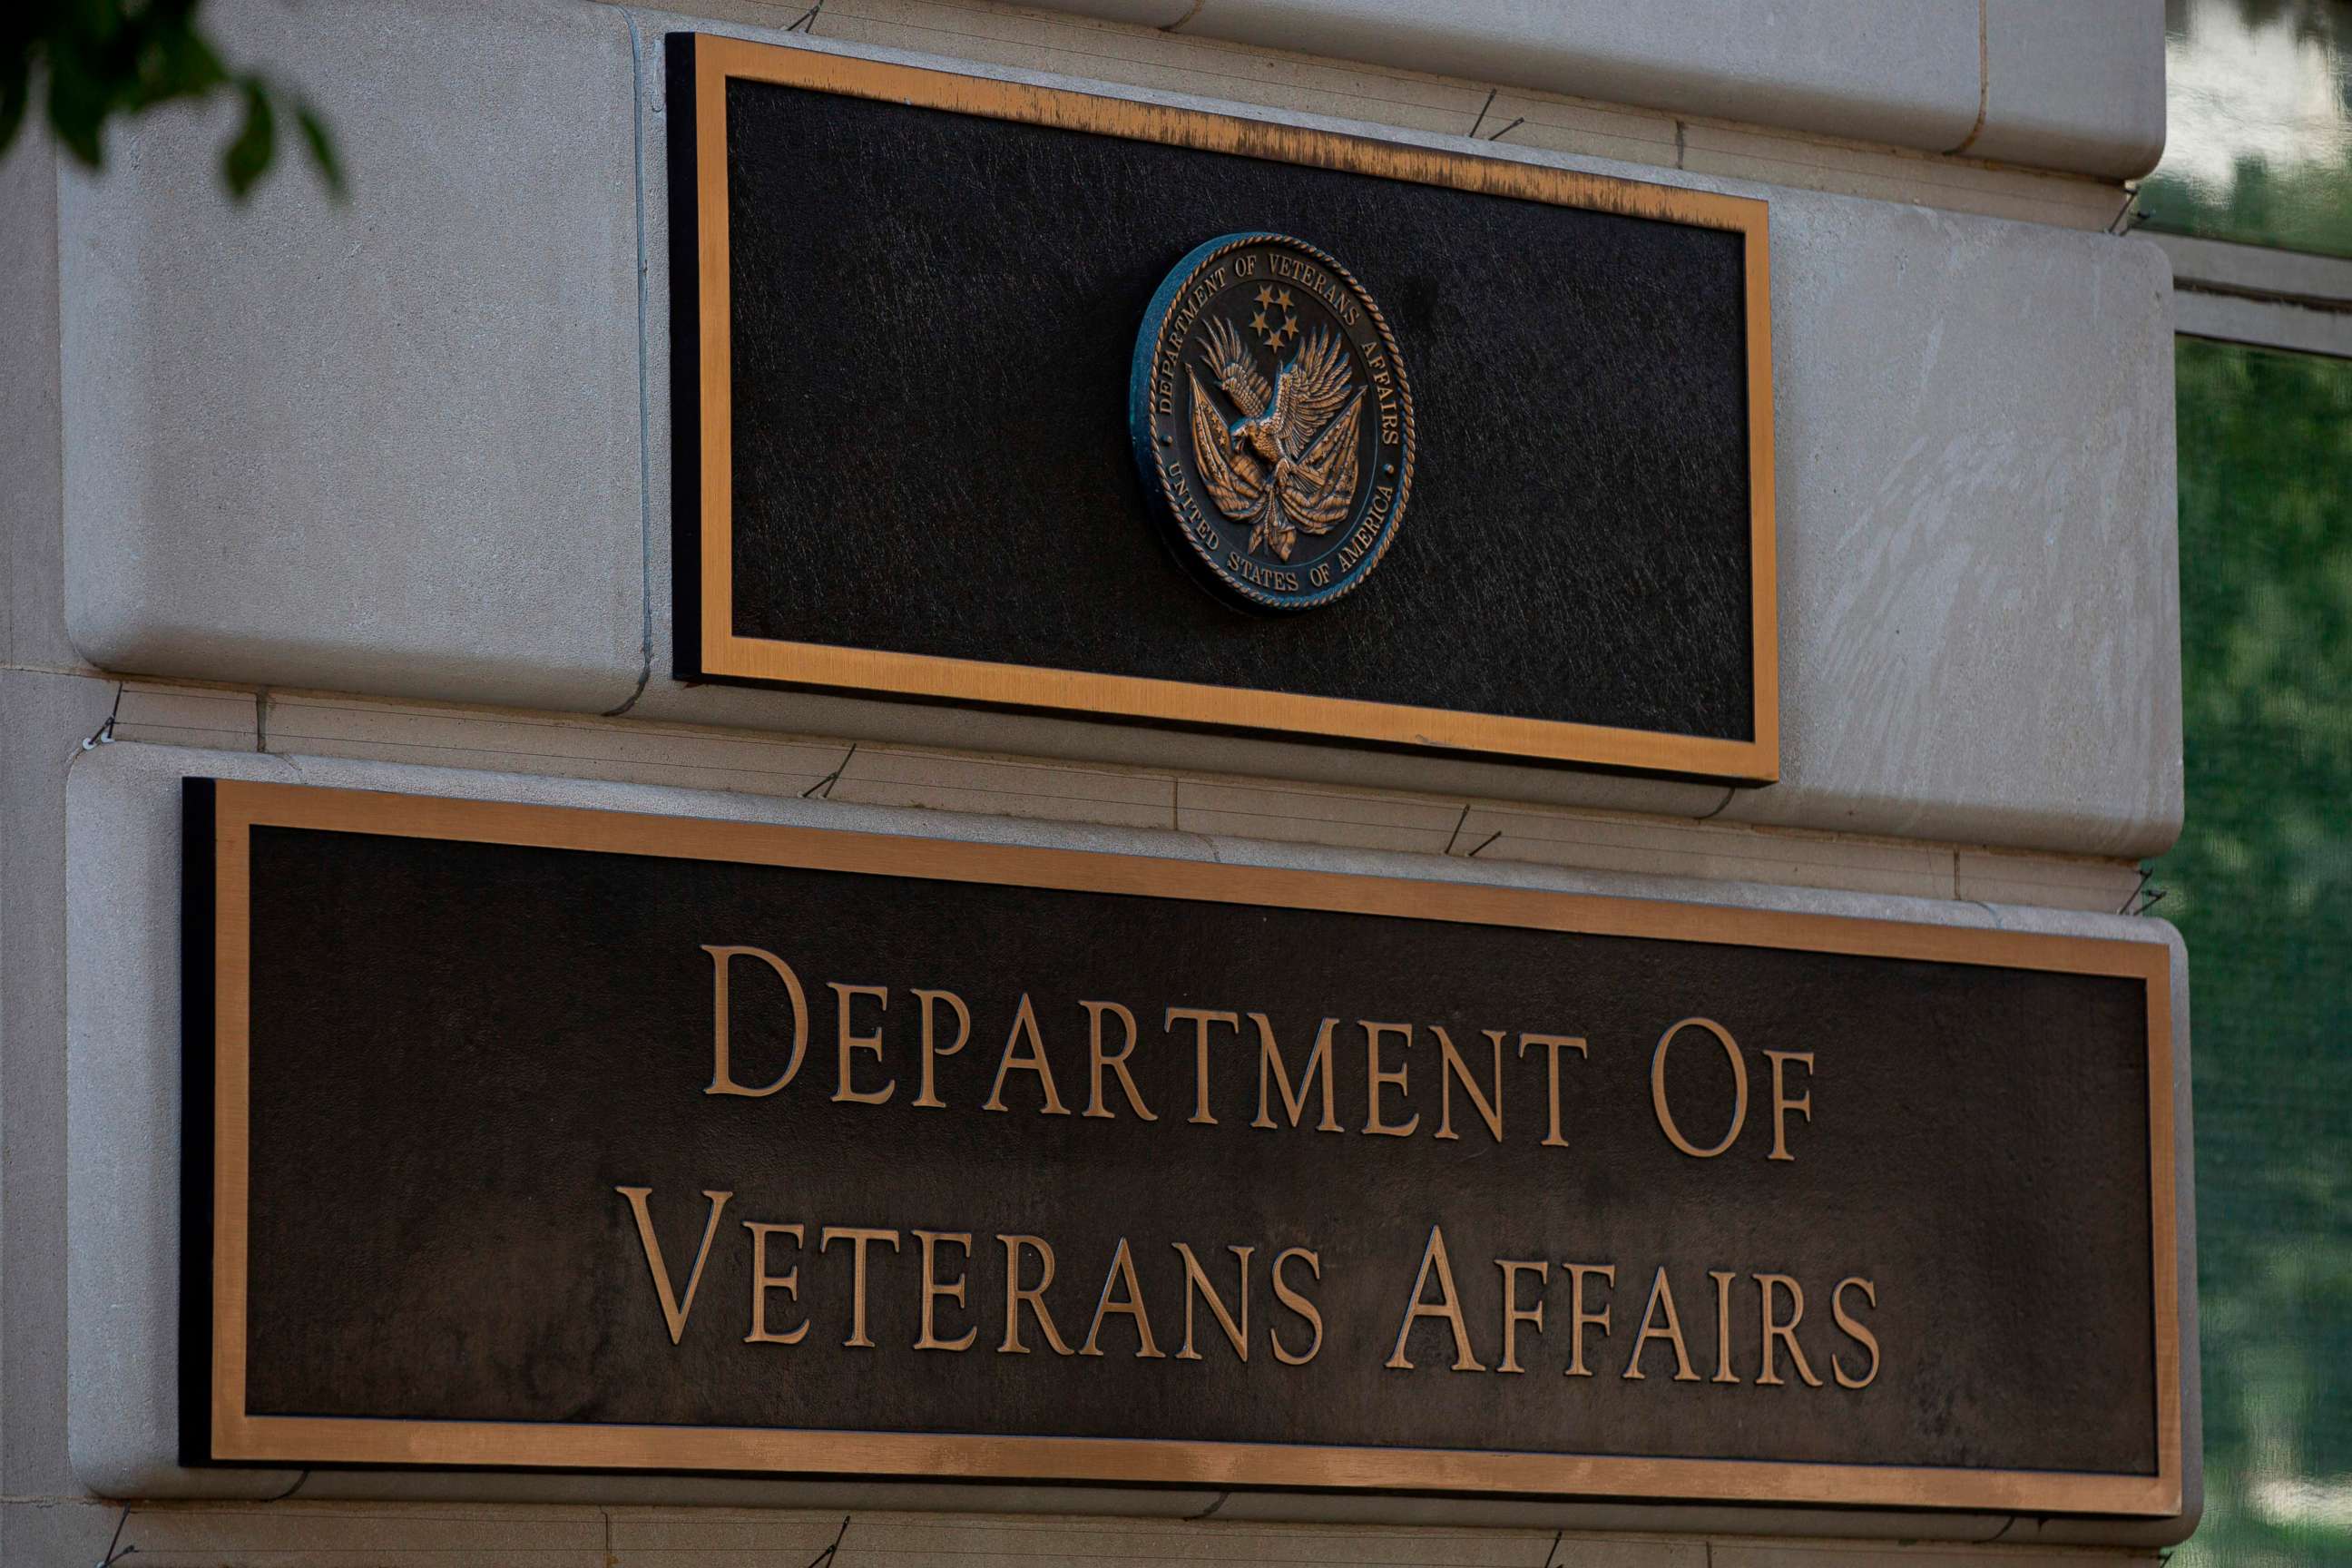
{"x":724,"y":655}
{"x":236,"y":1435}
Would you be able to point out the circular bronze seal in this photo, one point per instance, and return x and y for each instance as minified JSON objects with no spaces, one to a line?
{"x":1272,"y":422}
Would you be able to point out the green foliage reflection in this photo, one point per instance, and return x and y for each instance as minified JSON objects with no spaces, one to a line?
{"x":2261,"y":887}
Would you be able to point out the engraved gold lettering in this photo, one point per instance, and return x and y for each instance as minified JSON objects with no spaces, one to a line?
{"x":857,"y":1237}
{"x":1024,"y":1027}
{"x":1553,"y":1045}
{"x":1121,"y":1276}
{"x":1782,"y":1104}
{"x":1201,"y":1018}
{"x":1578,"y":1319}
{"x":846,"y":998}
{"x":1196,"y":1284}
{"x":1114,"y":1061}
{"x":673,"y":1310}
{"x":1270,"y":1070}
{"x":1860,"y":1335}
{"x":722,"y":1080}
{"x":1658,"y":1088}
{"x":934,"y":1288}
{"x":1299,"y":1303}
{"x":1016,"y":1294}
{"x":1785,"y":1333}
{"x":1513,"y":1313}
{"x":1450,"y":1066}
{"x":763,"y":1282}
{"x":1381,"y":1077}
{"x":932,"y":1051}
{"x":1662,"y":1298}
{"x":1723,"y":1278}
{"x":1448,"y":1306}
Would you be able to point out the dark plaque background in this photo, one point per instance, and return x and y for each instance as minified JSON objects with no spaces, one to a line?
{"x":934,"y":316}
{"x":458,"y":1051}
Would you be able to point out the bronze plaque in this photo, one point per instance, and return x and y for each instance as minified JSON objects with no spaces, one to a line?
{"x":522,"y":1136}
{"x":974,"y":399}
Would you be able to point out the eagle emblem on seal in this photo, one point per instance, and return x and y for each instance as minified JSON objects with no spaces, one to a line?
{"x":1271,"y":422}
{"x":1288,"y":465}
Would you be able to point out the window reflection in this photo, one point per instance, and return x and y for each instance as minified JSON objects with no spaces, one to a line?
{"x":2258,"y":146}
{"x":2261,"y":887}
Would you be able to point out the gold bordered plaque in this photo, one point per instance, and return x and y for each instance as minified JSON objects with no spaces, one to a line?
{"x":909,"y":461}
{"x":526,"y":1136}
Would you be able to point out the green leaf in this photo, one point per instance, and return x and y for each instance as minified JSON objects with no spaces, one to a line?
{"x":15,"y":92}
{"x":246,"y":157}
{"x":321,"y":144}
{"x":92,"y":62}
{"x":78,"y":105}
